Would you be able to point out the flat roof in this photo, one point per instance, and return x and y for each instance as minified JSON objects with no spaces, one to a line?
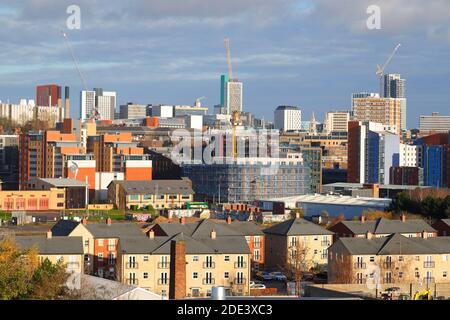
{"x":63,"y":182}
{"x":331,"y":199}
{"x":382,"y":186}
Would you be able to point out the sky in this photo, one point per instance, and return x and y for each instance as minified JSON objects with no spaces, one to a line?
{"x":309,"y":53}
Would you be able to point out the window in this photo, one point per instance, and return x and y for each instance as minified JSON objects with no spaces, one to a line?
{"x":100,"y":242}
{"x":145,"y":258}
{"x":100,"y":256}
{"x":400,"y":258}
{"x":444,"y":258}
{"x":146,"y":197}
{"x":226,"y":275}
{"x":417,"y":258}
{"x":227,"y":258}
{"x":372,"y":259}
{"x":444,"y":274}
{"x":316,"y":238}
{"x":164,"y":278}
{"x":145,"y":275}
{"x":256,"y":255}
{"x":86,"y":258}
{"x":195,"y":258}
{"x":134,"y":197}
{"x":86,"y":243}
{"x":195,"y":275}
{"x":400,"y":274}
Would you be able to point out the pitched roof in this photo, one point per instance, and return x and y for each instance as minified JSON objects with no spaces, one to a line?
{"x":63,"y":182}
{"x":64,"y":227}
{"x":114,"y":230}
{"x":395,"y":244}
{"x":58,"y":245}
{"x":446,"y":221}
{"x":202,"y":229}
{"x":297,"y":227}
{"x":182,"y":186}
{"x":387,"y":226}
{"x":161,"y":245}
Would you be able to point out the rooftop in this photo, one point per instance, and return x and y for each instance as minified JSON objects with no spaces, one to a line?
{"x":331,"y":199}
{"x":294,"y":227}
{"x":62,"y":182}
{"x":58,"y":245}
{"x":183,"y":186}
{"x":387,"y":226}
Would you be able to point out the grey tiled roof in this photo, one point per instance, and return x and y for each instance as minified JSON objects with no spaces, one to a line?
{"x":202,"y":229}
{"x":387,"y":226}
{"x":156,"y":186}
{"x":395,"y":244}
{"x":297,"y":227}
{"x":64,"y":227}
{"x":115,"y":230}
{"x":58,"y":245}
{"x":161,"y":245}
{"x":63,"y":182}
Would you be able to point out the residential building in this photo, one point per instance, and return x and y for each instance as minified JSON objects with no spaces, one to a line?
{"x":434,"y":123}
{"x":159,"y":194}
{"x":395,"y":87}
{"x":443,"y":227}
{"x":87,"y":105}
{"x":26,"y":111}
{"x":410,"y":155}
{"x":163,"y":111}
{"x":288,"y":118}
{"x":372,"y":151}
{"x":383,"y":227}
{"x":48,"y":95}
{"x":105,"y":102}
{"x":100,"y":242}
{"x":394,"y":259}
{"x":233,"y":96}
{"x":190,"y":265}
{"x":312,"y":158}
{"x":406,"y":176}
{"x":202,"y":229}
{"x":336,"y":121}
{"x":296,"y":243}
{"x":20,"y":200}
{"x":68,"y":251}
{"x":387,"y":111}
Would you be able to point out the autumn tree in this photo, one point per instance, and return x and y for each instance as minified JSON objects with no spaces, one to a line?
{"x":341,"y":269}
{"x":48,"y":281}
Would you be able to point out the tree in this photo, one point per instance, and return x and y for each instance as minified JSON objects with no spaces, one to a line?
{"x":48,"y":281}
{"x":297,"y":212}
{"x":341,"y":270}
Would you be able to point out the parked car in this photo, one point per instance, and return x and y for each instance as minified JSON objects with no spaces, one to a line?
{"x":265,"y":276}
{"x":278,"y":276}
{"x":257,"y":285}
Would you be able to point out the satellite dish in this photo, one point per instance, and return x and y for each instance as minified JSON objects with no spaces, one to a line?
{"x":73,"y":167}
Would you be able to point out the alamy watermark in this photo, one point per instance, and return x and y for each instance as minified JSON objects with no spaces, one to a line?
{"x":374,"y":20}
{"x":73,"y":22}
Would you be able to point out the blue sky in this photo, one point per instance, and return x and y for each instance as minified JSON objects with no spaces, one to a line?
{"x":312,"y":53}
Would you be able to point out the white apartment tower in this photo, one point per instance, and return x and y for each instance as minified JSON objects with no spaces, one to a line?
{"x":288,"y":118}
{"x":337,"y":121}
{"x":233,"y":96}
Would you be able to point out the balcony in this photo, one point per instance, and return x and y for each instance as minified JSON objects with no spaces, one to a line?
{"x":163,"y":281}
{"x":163,"y":265}
{"x":240,"y":281}
{"x":132,"y":265}
{"x":133,"y":282}
{"x":388,"y":265}
{"x":240,"y":265}
{"x":428,"y":280}
{"x":209,"y":265}
{"x":207,"y":281}
{"x":111,"y":247}
{"x":428,"y":264}
{"x":360,"y":265}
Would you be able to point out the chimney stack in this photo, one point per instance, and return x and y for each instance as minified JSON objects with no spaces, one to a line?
{"x":228,"y":219}
{"x":66,"y":103}
{"x":369,"y":235}
{"x":362,"y":218}
{"x":177,"y":277}
{"x":213,"y":234}
{"x":151,"y":234}
{"x":403,"y":217}
{"x":84,"y":221}
{"x":183,"y":220}
{"x":424,"y":234}
{"x":49,"y":234}
{"x":108,"y":221}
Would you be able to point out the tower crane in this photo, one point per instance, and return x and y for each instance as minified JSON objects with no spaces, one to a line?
{"x":96,"y":114}
{"x":380,"y":70}
{"x":198,"y":101}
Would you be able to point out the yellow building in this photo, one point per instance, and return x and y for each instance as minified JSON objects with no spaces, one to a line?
{"x":204,"y":264}
{"x":296,"y":243}
{"x":160,"y":194}
{"x":387,"y":111}
{"x":53,"y":199}
{"x":68,"y":251}
{"x":395,"y":259}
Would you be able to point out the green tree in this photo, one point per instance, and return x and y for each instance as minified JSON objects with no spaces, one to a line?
{"x":48,"y":281}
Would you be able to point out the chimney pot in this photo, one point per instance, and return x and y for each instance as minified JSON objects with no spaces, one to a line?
{"x":424,"y":234}
{"x":49,"y":234}
{"x":108,"y":221}
{"x":403,"y":217}
{"x":151,"y":234}
{"x":84,"y":221}
{"x":228,"y":219}
{"x":363,"y":218}
{"x":213,"y":234}
{"x":369,"y":235}
{"x":183,"y":220}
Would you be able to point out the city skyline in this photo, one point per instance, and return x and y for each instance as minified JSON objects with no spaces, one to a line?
{"x":174,"y":53}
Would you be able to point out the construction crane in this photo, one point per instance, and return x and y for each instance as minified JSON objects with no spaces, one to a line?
{"x":96,"y":114}
{"x":380,"y":70}
{"x":230,"y":68}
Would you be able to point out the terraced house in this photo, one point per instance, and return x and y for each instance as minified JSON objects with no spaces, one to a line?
{"x":100,"y":242}
{"x":296,"y":243}
{"x":392,"y":259}
{"x":202,"y":229}
{"x":189,"y":271}
{"x":383,"y":227}
{"x":159,"y":194}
